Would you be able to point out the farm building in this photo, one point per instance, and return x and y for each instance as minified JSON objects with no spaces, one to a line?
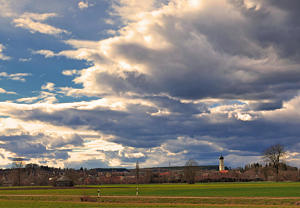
{"x":64,"y":181}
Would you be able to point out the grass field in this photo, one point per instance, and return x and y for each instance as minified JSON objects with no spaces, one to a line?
{"x":260,"y":194}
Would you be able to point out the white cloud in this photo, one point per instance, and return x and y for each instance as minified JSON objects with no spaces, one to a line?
{"x":24,"y":59}
{"x":48,"y":86}
{"x":289,"y":113}
{"x":109,"y":21}
{"x":34,"y":23}
{"x":16,"y":76}
{"x":43,"y":97}
{"x":2,"y":56}
{"x":46,"y":53}
{"x":111,"y":32}
{"x":83,"y":5}
{"x":3,"y":91}
{"x":70,"y":72}
{"x":133,"y":9}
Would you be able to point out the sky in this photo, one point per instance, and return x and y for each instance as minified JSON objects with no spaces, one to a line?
{"x":106,"y":83}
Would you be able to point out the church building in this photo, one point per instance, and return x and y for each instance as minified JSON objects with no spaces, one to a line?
{"x":221,"y":164}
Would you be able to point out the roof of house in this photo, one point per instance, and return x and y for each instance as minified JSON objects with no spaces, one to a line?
{"x":64,"y":178}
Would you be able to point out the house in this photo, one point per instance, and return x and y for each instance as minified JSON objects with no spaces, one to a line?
{"x":64,"y":181}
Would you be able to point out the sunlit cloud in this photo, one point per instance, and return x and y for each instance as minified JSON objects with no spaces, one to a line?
{"x":70,"y":72}
{"x":43,"y":97}
{"x":83,"y":5}
{"x":17,"y":76}
{"x":3,"y":91}
{"x":46,"y":53}
{"x":48,"y":86}
{"x":34,"y":23}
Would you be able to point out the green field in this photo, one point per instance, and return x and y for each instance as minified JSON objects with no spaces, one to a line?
{"x":259,"y":189}
{"x":259,"y":194}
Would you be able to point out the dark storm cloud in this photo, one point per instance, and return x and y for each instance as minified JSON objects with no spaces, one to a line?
{"x":262,"y":27}
{"x":138,"y":129}
{"x":291,"y":7}
{"x":74,"y":140}
{"x":240,"y":53}
{"x":61,"y":154}
{"x":266,"y":105}
{"x":14,"y":138}
{"x":192,"y":70}
{"x":128,"y":126}
{"x":198,"y":148}
{"x":30,"y":150}
{"x":25,"y":148}
{"x":35,"y":146}
{"x":177,"y":106}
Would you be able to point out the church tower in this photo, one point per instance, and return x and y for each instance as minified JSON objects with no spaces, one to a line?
{"x":221,"y":163}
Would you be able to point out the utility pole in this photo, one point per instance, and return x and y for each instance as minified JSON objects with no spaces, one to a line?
{"x":137,"y":168}
{"x":169,"y":175}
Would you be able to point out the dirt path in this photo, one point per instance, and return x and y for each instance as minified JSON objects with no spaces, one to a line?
{"x":197,"y":205}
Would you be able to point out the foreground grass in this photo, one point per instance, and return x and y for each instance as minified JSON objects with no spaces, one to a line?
{"x":163,"y":200}
{"x":41,"y":204}
{"x":261,"y":194}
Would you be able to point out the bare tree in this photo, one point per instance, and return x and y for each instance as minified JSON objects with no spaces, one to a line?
{"x":18,"y":164}
{"x":274,"y":155}
{"x":190,"y":171}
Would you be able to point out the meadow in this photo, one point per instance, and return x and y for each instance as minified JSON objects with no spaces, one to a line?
{"x":258,"y":194}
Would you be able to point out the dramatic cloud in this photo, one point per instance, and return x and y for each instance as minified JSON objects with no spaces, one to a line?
{"x":174,"y":51}
{"x":195,"y":133}
{"x":39,"y":142}
{"x":175,"y":80}
{"x":34,"y":23}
